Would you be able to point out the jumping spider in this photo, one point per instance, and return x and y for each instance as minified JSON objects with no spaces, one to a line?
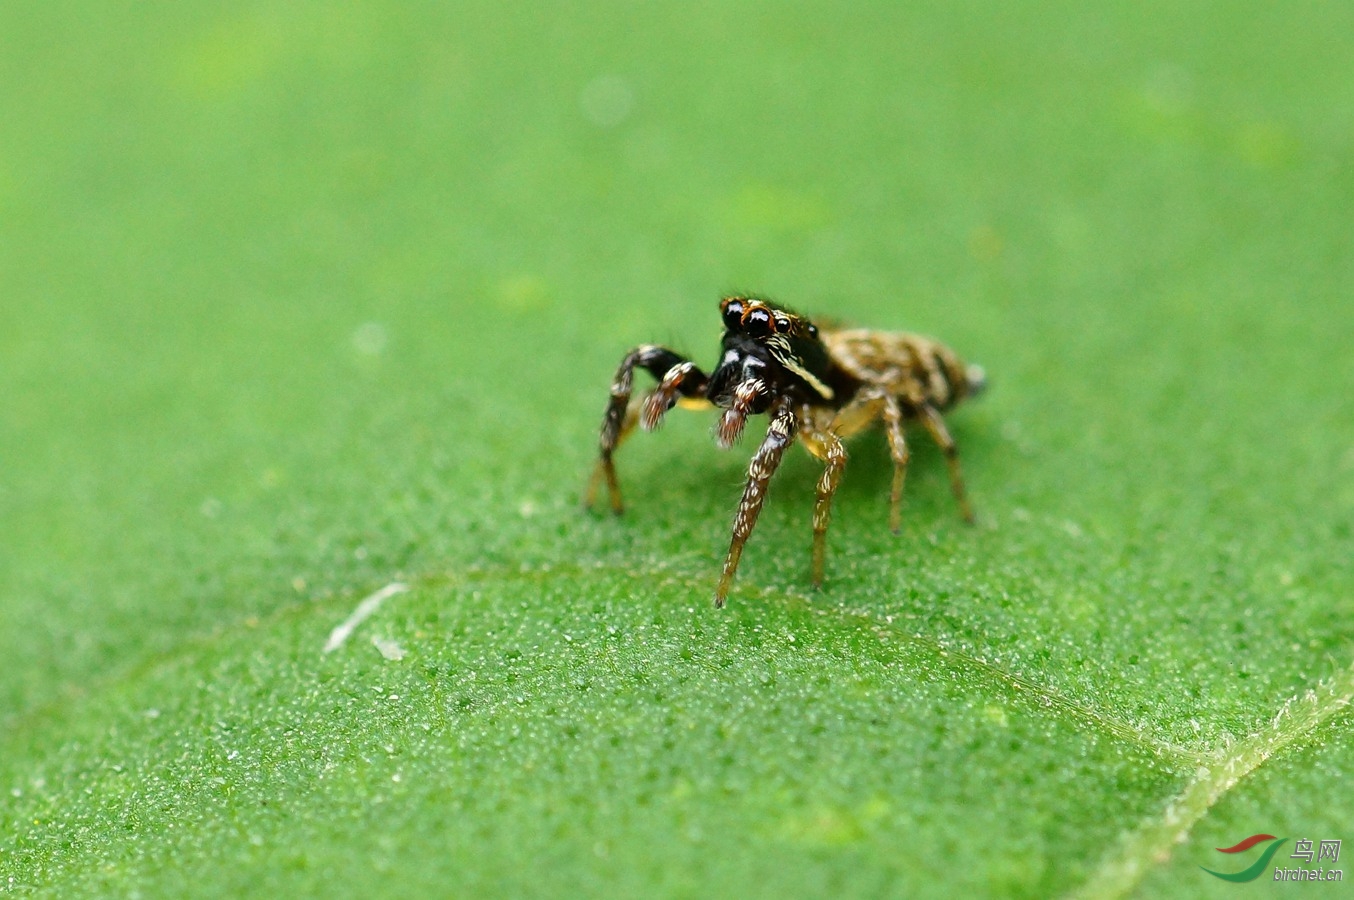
{"x":821,"y":386}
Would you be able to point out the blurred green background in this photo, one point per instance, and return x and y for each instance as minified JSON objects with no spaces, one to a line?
{"x":299,"y":299}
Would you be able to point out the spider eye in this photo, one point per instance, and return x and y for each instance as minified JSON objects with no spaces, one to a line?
{"x":757,"y":323}
{"x":782,"y":324}
{"x":733,"y":314}
{"x":813,"y":331}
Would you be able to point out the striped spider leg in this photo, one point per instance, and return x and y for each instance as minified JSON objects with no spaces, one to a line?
{"x":676,"y":376}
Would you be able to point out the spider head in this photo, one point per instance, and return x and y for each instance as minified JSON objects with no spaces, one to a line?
{"x":769,"y":352}
{"x":762,"y":322}
{"x":783,"y":343}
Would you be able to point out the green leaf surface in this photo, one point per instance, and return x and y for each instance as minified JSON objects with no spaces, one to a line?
{"x":300,"y":301}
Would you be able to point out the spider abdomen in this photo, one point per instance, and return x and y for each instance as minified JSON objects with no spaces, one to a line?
{"x":912,"y":367}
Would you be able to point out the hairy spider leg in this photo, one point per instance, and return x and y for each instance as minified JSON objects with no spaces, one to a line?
{"x":898,"y":449}
{"x":620,"y":420}
{"x":826,"y":446}
{"x":941,"y":435}
{"x":730,"y":426}
{"x":683,"y":378}
{"x":779,"y":435}
{"x":872,"y":404}
{"x":606,"y":469}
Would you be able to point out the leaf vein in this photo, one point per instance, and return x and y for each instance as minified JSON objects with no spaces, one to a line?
{"x":1152,"y":842}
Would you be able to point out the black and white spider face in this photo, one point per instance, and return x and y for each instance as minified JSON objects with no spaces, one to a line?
{"x":767,"y":352}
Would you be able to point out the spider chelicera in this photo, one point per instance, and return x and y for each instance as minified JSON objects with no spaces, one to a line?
{"x":820,"y":385}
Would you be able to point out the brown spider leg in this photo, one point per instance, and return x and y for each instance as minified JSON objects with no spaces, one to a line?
{"x":619,"y":419}
{"x":898,"y":449}
{"x":941,"y":435}
{"x":828,"y":447}
{"x":606,"y":469}
{"x":779,"y":435}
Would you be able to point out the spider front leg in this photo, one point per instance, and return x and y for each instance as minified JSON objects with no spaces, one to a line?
{"x":779,"y":435}
{"x":676,"y":374}
{"x":684,"y":379}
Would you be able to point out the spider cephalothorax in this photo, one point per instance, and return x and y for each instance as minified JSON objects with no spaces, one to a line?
{"x":819,"y":387}
{"x":768,"y":352}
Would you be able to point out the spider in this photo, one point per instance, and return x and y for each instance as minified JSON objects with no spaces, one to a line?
{"x":819,"y":386}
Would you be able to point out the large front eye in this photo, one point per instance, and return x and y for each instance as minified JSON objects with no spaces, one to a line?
{"x":757,"y":323}
{"x":733,"y":314}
